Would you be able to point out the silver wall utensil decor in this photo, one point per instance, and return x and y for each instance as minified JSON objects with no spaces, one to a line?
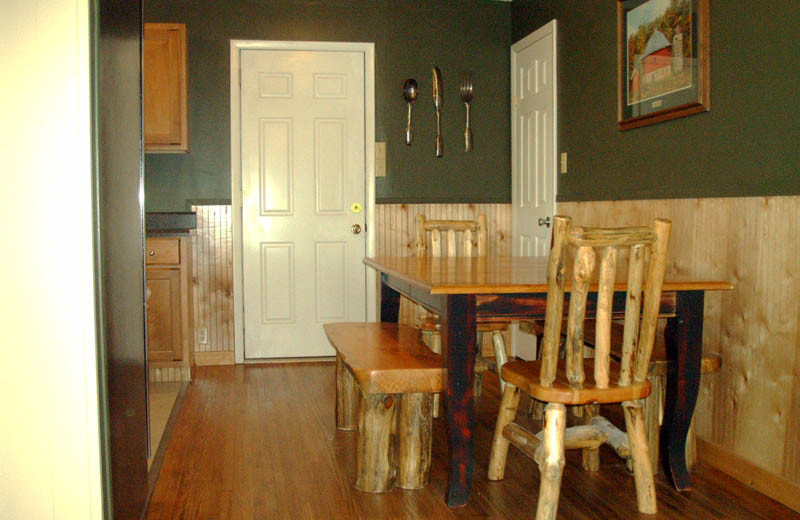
{"x":466,"y":97}
{"x":437,"y":104}
{"x":410,"y":94}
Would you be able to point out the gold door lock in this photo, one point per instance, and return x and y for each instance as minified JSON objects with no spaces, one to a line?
{"x":355,"y":229}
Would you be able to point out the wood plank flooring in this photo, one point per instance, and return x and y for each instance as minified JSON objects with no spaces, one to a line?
{"x":259,"y":441}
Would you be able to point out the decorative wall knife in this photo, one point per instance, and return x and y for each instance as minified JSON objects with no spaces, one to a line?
{"x":437,"y":103}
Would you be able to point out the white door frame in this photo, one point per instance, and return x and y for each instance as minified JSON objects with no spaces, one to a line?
{"x":523,"y":343}
{"x":368,"y":49}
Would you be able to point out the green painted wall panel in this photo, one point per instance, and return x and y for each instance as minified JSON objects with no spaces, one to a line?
{"x":410,"y":37}
{"x":748,"y":143}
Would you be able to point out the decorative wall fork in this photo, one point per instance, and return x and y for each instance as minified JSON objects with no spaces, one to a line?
{"x":466,"y":96}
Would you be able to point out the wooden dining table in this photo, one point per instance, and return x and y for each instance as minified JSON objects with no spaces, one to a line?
{"x":460,"y":290}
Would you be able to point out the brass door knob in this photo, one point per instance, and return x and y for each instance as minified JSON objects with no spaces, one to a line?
{"x":355,"y":229}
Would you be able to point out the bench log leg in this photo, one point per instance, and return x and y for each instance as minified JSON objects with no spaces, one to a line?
{"x":376,"y":458}
{"x":433,"y":339}
{"x":414,"y":435}
{"x":347,"y":397}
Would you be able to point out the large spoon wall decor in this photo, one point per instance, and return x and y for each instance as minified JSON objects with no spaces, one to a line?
{"x":410,"y":94}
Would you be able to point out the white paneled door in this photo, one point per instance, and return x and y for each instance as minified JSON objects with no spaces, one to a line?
{"x":533,"y":152}
{"x":303,"y":192}
{"x":533,"y":136}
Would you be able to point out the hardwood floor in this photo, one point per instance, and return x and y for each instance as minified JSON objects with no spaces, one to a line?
{"x":259,"y":441}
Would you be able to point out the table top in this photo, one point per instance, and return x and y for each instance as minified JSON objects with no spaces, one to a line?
{"x":504,"y":274}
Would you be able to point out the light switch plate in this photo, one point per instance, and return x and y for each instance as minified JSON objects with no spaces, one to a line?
{"x":380,"y":159}
{"x":563,"y":162}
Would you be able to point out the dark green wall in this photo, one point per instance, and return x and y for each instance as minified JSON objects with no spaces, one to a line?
{"x":410,"y":37}
{"x":746,"y":145}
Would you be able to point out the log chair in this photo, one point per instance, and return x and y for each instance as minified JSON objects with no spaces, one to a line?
{"x":654,"y":404}
{"x":385,"y":381}
{"x":563,"y":382}
{"x":474,"y":236}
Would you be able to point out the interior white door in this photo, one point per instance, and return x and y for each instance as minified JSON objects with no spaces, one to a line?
{"x":303,"y":180}
{"x":533,"y":150}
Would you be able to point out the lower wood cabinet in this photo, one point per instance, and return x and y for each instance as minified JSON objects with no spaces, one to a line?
{"x":168,"y":304}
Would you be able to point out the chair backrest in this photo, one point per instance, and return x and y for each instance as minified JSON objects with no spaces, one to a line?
{"x":639,"y":333}
{"x":475,"y":235}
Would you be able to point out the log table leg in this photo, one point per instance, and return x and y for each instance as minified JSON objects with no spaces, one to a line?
{"x":684,"y":337}
{"x":458,"y":349}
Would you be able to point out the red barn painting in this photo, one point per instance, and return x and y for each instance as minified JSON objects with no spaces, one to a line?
{"x":653,"y":64}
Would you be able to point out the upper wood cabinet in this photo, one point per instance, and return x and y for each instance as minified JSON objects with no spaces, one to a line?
{"x":165,"y":116}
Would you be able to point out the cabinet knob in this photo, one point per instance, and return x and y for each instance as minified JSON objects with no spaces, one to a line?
{"x":151,"y":253}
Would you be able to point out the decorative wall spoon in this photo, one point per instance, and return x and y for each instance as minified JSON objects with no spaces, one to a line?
{"x":410,"y":94}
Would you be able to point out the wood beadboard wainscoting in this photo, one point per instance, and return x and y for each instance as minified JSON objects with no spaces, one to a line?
{"x":212,"y":285}
{"x":748,"y":415}
{"x":212,"y":274}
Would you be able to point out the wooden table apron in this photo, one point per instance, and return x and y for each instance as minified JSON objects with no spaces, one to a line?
{"x":682,"y":308}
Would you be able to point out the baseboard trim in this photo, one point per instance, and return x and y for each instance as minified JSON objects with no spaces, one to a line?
{"x":776,"y":487}
{"x":290,"y":361}
{"x":222,"y":357}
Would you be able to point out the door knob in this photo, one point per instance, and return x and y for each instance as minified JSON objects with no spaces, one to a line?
{"x":355,"y":229}
{"x":544,"y":222}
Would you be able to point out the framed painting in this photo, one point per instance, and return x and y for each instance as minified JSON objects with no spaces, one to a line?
{"x":662,"y":60}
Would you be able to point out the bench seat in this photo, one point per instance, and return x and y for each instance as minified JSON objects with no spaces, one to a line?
{"x":386,"y":377}
{"x":387,"y":358}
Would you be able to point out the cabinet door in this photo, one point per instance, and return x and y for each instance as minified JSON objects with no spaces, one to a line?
{"x":165,"y":120}
{"x":164,"y":341}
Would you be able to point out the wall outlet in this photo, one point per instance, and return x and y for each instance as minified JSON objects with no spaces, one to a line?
{"x":380,"y":159}
{"x":202,"y":336}
{"x":563,"y":162}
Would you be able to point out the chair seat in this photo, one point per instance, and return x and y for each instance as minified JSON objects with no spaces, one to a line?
{"x":525,"y":376}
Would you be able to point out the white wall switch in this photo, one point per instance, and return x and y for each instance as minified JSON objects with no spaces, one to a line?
{"x":380,"y":159}
{"x":563,"y":162}
{"x":202,"y":336}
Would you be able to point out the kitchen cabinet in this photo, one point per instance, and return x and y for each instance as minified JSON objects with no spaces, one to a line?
{"x":165,"y":105}
{"x":168,"y":261}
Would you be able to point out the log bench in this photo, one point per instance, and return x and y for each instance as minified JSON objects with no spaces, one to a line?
{"x":385,"y":381}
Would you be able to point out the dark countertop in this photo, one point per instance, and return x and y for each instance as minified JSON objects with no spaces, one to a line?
{"x":170,"y":223}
